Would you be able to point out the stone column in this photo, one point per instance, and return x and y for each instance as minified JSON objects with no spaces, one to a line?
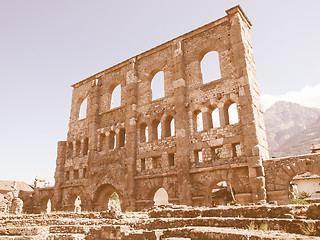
{"x":206,"y":118}
{"x":182,"y":126}
{"x":131,"y":136}
{"x":93,"y":125}
{"x":59,"y":175}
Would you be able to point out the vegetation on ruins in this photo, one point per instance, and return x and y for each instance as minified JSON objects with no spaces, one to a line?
{"x":301,"y":198}
{"x":310,"y":230}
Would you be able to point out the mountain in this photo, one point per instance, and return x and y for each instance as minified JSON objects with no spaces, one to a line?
{"x":291,"y":128}
{"x":300,"y":143}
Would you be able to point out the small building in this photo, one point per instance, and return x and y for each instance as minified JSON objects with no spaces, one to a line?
{"x":309,"y":183}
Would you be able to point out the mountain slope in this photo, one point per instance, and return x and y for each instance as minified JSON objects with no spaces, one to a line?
{"x":285,"y":120}
{"x":300,"y":143}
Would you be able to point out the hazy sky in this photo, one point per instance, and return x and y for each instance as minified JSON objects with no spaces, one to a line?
{"x":45,"y":46}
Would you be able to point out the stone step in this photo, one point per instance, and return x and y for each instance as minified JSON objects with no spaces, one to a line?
{"x":66,"y":236}
{"x":213,"y":233}
{"x":176,"y":238}
{"x":288,"y":225}
{"x":25,"y":231}
{"x":77,"y":229}
{"x":23,"y":238}
{"x":254,"y":211}
{"x":45,"y":221}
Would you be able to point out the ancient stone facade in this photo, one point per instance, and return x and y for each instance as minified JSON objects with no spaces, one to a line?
{"x":122,"y":150}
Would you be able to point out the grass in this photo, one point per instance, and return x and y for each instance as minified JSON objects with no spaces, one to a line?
{"x":263,"y":227}
{"x":310,"y":230}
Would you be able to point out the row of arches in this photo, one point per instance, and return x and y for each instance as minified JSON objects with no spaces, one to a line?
{"x":76,"y":174}
{"x":214,"y":117}
{"x":112,"y":140}
{"x":210,"y":70}
{"x":157,"y":129}
{"x":77,"y":148}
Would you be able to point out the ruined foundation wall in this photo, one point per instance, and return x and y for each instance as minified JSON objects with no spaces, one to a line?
{"x":107,"y":151}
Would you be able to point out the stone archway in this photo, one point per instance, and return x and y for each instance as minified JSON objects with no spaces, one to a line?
{"x":280,"y":172}
{"x":102,"y":196}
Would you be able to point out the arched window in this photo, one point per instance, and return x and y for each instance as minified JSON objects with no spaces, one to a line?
{"x":85,"y":146}
{"x":222,"y":193}
{"x":116,"y":97}
{"x":159,"y":131}
{"x":112,"y":140}
{"x":144,"y":132}
{"x":233,"y":113}
{"x":114,"y":202}
{"x":156,"y":129}
{"x":161,"y":197}
{"x":198,"y":121}
{"x":210,"y":67}
{"x":83,"y":109}
{"x":169,"y":128}
{"x":78,"y":147}
{"x":70,"y":150}
{"x":157,"y":86}
{"x":122,"y":137}
{"x":102,"y":141}
{"x":215,"y":118}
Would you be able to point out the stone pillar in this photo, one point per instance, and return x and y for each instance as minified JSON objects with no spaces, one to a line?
{"x":206,"y":118}
{"x":223,"y":116}
{"x":59,"y":174}
{"x":251,"y":118}
{"x":93,"y":120}
{"x":182,"y":156}
{"x":131,"y":136}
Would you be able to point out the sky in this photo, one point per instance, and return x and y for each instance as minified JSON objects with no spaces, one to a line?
{"x":46,"y":46}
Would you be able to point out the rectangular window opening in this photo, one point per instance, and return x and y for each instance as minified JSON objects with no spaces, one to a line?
{"x":84,"y":173}
{"x":198,"y":156}
{"x":143,"y":164}
{"x":236,"y":150}
{"x":171,"y":159}
{"x":155,"y":162}
{"x":216,"y":152}
{"x":75,"y":174}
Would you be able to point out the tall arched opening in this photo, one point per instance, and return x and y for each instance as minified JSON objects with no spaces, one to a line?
{"x":210,"y":67}
{"x":102,"y":196}
{"x":161,"y":197}
{"x":222,"y":193}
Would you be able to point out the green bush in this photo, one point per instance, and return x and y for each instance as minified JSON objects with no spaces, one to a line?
{"x":114,"y":196}
{"x":303,"y":195}
{"x":299,"y":201}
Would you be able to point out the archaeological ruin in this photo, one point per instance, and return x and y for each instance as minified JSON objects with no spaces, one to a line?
{"x":186,"y":141}
{"x":154,"y":149}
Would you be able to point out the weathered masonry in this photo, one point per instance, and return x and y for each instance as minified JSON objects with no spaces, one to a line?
{"x":184,"y":142}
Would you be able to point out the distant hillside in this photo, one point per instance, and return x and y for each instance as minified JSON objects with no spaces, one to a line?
{"x":300,"y":143}
{"x":291,"y":128}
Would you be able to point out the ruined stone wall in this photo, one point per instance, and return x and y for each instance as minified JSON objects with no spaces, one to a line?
{"x":280,"y":172}
{"x":107,"y":151}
